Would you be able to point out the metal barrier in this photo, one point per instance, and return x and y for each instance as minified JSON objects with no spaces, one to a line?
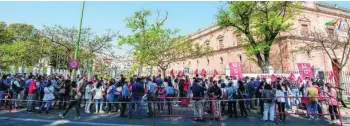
{"x":7,"y":98}
{"x":305,"y":100}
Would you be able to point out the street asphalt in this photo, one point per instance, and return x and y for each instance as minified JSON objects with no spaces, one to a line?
{"x":22,"y":118}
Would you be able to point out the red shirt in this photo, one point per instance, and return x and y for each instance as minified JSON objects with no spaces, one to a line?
{"x":31,"y":86}
{"x":186,"y":84}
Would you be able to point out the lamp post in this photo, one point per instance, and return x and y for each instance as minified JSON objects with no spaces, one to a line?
{"x":78,"y":41}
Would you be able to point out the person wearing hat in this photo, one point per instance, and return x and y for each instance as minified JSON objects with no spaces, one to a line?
{"x":333,"y":103}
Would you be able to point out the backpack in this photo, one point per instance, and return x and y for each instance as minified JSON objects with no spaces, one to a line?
{"x":268,"y":95}
{"x":169,"y":91}
{"x":15,"y":87}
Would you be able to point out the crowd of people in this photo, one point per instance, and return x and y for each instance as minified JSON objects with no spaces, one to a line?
{"x":39,"y":93}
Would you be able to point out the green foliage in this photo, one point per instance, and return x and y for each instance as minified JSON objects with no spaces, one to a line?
{"x":155,"y":45}
{"x":260,"y":22}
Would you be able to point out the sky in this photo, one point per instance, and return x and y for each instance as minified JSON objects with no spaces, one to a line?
{"x":186,"y":16}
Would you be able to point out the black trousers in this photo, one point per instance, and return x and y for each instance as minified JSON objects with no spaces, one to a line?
{"x":76,"y":104}
{"x":333,"y":110}
{"x":261,"y":104}
{"x":230,"y":105}
{"x":169,"y":100}
{"x":242,"y":108}
{"x":122,"y":111}
{"x":281,"y":110}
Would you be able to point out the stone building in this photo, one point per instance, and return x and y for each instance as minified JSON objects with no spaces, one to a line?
{"x":227,"y":44}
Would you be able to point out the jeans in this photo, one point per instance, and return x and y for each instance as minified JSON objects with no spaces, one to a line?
{"x":198,"y":109}
{"x":311,"y":107}
{"x":87,"y":105}
{"x":169,"y":100}
{"x":296,"y":94}
{"x":98,"y":102}
{"x":269,"y":108}
{"x":135,"y":100}
{"x":230,"y":105}
{"x":31,"y":101}
{"x":15,"y":102}
{"x":333,"y":110}
{"x":47,"y":106}
{"x":281,"y":110}
{"x":249,"y":103}
{"x":287,"y":104}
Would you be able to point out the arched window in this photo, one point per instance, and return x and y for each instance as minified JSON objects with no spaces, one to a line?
{"x":207,"y":42}
{"x":222,"y":60}
{"x":208,"y":61}
{"x":197,"y":62}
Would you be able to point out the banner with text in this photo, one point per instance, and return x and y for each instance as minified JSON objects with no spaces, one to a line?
{"x":236,"y":69}
{"x":305,"y":70}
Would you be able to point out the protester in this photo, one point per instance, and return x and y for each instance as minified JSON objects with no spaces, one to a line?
{"x":269,"y":107}
{"x":280,"y":96}
{"x":240,"y":97}
{"x":198,"y":94}
{"x":160,"y":98}
{"x":312,"y":93}
{"x":125,"y":98}
{"x":333,"y":103}
{"x":88,"y":96}
{"x":31,"y":95}
{"x":74,"y":100}
{"x":136,"y":97}
{"x":214,"y":94}
{"x":151,"y":95}
{"x":110,"y":95}
{"x":223,"y":97}
{"x":48,"y":97}
{"x":169,"y":93}
{"x":98,"y":97}
{"x":231,"y":102}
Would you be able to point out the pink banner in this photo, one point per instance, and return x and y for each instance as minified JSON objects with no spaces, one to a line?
{"x":236,"y":69}
{"x":305,"y":70}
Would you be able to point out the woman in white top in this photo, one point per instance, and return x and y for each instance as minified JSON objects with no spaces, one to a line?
{"x":88,"y":96}
{"x":48,"y":97}
{"x":281,"y":102}
{"x":98,"y":96}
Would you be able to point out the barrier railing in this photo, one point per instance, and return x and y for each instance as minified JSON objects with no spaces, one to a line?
{"x":7,"y":100}
{"x":305,"y":100}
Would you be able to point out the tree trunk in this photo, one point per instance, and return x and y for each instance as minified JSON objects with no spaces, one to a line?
{"x":260,"y":62}
{"x":340,"y":87}
{"x":266,"y":61}
{"x":163,"y":73}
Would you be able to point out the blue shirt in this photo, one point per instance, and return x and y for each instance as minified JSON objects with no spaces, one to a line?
{"x":229,"y":91}
{"x":159,"y":81}
{"x":151,"y":87}
{"x":27,"y":82}
{"x":137,"y":89}
{"x":111,"y":93}
{"x":125,"y":91}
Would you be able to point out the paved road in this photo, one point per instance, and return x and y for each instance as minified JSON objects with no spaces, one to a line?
{"x":23,"y":118}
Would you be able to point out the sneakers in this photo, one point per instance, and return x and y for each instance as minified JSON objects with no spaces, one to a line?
{"x":76,"y":118}
{"x":61,"y":115}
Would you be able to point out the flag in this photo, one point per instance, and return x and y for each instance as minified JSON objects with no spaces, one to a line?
{"x":196,"y":72}
{"x":291,"y":77}
{"x":179,"y":73}
{"x":331,"y":76}
{"x":336,"y":23}
{"x":299,"y":80}
{"x":182,"y":73}
{"x":172,"y":72}
{"x":215,"y":73}
{"x":273,"y":77}
{"x":203,"y":73}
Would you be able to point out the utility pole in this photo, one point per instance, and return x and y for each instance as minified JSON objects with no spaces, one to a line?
{"x":78,"y":41}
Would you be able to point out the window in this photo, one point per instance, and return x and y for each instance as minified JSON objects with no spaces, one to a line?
{"x":330,"y":32}
{"x":304,"y":30}
{"x":207,"y":42}
{"x":220,"y":38}
{"x":189,"y":62}
{"x":197,"y":62}
{"x":239,"y":39}
{"x":222,"y":60}
{"x":208,"y":61}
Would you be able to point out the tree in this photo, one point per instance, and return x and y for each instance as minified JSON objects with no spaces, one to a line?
{"x":336,"y":44}
{"x":260,"y":22}
{"x":21,"y":31}
{"x":155,"y":45}
{"x":90,"y":43}
{"x":5,"y":36}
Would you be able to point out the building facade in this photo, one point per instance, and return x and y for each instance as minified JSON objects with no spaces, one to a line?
{"x":227,"y":44}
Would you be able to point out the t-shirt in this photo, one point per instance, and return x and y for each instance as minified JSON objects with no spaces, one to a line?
{"x":31,"y":87}
{"x":312,"y":92}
